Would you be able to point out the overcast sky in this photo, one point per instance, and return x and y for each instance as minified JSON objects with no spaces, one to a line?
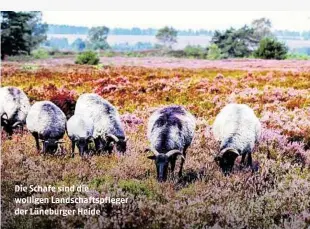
{"x":291,"y":20}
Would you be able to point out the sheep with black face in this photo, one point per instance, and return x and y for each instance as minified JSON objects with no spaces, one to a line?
{"x":47,"y":123}
{"x":14,"y":107}
{"x":80,"y":130}
{"x":170,"y":132}
{"x":237,"y":129}
{"x":108,"y":129}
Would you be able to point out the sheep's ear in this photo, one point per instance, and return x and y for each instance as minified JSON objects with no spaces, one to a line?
{"x":4,"y":122}
{"x":4,"y":118}
{"x":153,"y":157}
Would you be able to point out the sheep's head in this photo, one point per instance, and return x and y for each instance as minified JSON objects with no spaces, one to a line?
{"x":7,"y":124}
{"x":162,"y":162}
{"x":82,"y":144}
{"x":226,"y":159}
{"x":121,"y":144}
{"x":51,"y":145}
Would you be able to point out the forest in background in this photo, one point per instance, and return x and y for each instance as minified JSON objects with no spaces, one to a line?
{"x":69,"y":29}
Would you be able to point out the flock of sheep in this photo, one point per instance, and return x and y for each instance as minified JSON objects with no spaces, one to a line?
{"x":170,"y":129}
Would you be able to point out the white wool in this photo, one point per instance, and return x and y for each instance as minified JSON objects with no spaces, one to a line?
{"x":172,"y":135}
{"x":79,"y":126}
{"x":15,"y":103}
{"x":238,"y":127}
{"x":47,"y":120}
{"x":104,"y":115}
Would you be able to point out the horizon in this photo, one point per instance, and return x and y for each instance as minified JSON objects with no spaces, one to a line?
{"x":281,"y":20}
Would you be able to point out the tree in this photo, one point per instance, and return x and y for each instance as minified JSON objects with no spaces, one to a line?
{"x":262,"y":28}
{"x":21,"y":32}
{"x":270,"y":48}
{"x":235,"y":43}
{"x":214,"y":53}
{"x":167,"y":36}
{"x":98,"y":37}
{"x":79,"y":45}
{"x":38,"y":29}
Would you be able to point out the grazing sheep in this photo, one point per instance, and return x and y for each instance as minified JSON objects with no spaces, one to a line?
{"x":108,"y":129}
{"x":170,"y":132}
{"x":237,"y":129}
{"x":14,"y":107}
{"x":46,"y":122}
{"x":80,"y":131}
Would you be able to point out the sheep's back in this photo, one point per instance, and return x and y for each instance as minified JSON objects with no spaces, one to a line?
{"x":46,"y":119}
{"x":171,"y":127}
{"x":80,"y":127}
{"x":14,"y":102}
{"x":237,"y":126}
{"x":104,"y":115}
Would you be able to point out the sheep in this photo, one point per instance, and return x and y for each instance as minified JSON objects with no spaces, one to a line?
{"x":108,"y":129}
{"x":14,"y":107}
{"x":46,"y":122}
{"x":80,"y":130}
{"x":237,"y":129}
{"x":170,"y":132}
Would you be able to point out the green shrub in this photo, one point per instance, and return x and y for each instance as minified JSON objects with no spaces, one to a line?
{"x":135,"y":187}
{"x":214,"y":52}
{"x":108,"y":53}
{"x":133,"y":54}
{"x":20,"y":58}
{"x":176,"y":53}
{"x":54,"y":52}
{"x":270,"y":48}
{"x":195,"y":51}
{"x":297,"y":56}
{"x":87,"y":57}
{"x":40,"y":53}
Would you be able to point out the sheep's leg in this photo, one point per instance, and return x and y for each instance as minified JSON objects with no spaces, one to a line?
{"x":182,"y":163}
{"x":110,"y":151}
{"x":243,"y":159}
{"x":97,"y":145}
{"x":250,"y":164}
{"x":172,"y":165}
{"x":249,"y":159}
{"x":72,"y":152}
{"x":181,"y":166}
{"x":36,"y":137}
{"x":242,"y":163}
{"x":22,"y":129}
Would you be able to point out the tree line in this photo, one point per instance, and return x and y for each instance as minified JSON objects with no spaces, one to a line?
{"x":69,"y":29}
{"x":23,"y":32}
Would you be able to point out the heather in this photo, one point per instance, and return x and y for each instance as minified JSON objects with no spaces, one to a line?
{"x":276,"y":196}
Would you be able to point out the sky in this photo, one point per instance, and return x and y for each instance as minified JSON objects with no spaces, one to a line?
{"x":291,"y":20}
